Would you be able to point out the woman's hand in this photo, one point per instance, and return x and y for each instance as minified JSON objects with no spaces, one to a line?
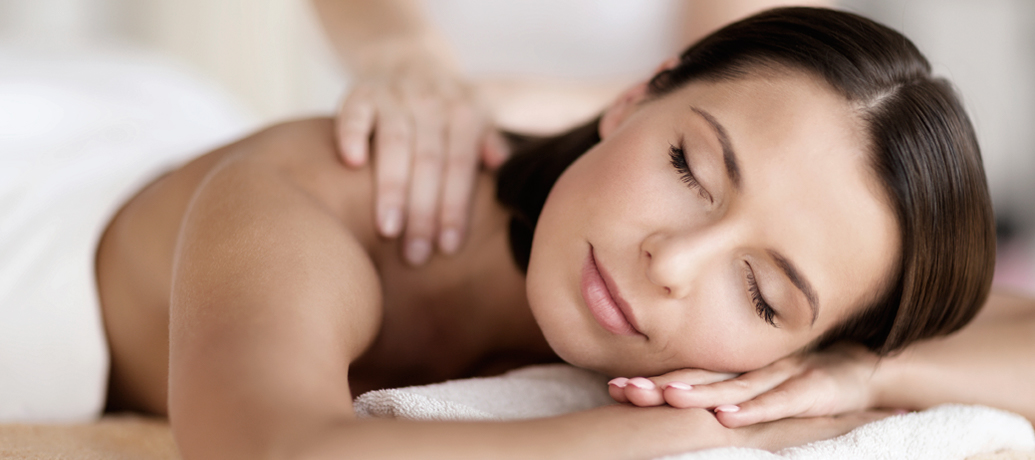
{"x":781,"y":434}
{"x":663,"y":430}
{"x":835,"y":381}
{"x":427,"y":133}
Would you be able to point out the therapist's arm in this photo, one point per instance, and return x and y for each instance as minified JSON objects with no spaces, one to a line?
{"x":415,"y":116}
{"x":702,"y":17}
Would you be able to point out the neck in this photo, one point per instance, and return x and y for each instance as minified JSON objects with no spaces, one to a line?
{"x":494,"y":284}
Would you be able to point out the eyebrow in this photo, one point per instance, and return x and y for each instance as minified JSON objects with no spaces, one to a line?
{"x":799,"y":281}
{"x":729,"y":157}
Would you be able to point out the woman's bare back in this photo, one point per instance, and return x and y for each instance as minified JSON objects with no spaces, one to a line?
{"x":454,"y":317}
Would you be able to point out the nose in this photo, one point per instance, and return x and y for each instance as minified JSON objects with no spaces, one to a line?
{"x":675,"y":261}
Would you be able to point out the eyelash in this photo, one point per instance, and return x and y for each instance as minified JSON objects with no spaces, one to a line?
{"x":761,"y":306}
{"x":677,"y":157}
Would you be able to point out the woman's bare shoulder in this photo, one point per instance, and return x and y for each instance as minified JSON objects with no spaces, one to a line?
{"x":284,"y":182}
{"x":304,"y":152}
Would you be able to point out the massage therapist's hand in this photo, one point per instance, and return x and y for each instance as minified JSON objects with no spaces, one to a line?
{"x":427,"y":133}
{"x":835,"y":381}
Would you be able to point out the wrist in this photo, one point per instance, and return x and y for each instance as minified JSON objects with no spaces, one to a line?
{"x":650,"y":431}
{"x":888,"y":379}
{"x":422,"y":53}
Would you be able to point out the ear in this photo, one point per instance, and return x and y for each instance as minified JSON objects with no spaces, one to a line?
{"x":626,"y":103}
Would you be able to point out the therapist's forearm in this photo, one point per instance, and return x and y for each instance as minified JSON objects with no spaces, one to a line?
{"x":382,"y":35}
{"x":990,"y":362}
{"x":702,"y":17}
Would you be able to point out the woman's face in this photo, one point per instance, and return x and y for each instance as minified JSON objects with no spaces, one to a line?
{"x":772,"y":231}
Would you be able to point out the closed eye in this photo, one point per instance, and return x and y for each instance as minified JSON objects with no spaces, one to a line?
{"x":762,"y":307}
{"x":677,"y":156}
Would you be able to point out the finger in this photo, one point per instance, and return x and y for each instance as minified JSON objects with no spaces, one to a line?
{"x":616,"y":388}
{"x":732,"y":391}
{"x":643,"y":392}
{"x":354,"y":125}
{"x":663,"y":385}
{"x":693,"y":377}
{"x":393,"y":144}
{"x":784,"y":401}
{"x":426,"y":183}
{"x":495,"y":150}
{"x":460,"y":175}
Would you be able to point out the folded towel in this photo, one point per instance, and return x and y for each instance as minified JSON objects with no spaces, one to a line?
{"x":950,"y":431}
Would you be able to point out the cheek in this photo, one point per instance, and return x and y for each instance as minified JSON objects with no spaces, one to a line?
{"x":715,"y":329}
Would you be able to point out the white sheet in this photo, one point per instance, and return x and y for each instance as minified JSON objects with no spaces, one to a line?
{"x":79,"y":133}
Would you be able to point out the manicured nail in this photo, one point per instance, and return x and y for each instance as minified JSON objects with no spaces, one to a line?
{"x":619,"y":382}
{"x":391,"y":221}
{"x":418,"y":250}
{"x":642,"y":383}
{"x":449,"y":240}
{"x":678,"y":386}
{"x":727,"y":408}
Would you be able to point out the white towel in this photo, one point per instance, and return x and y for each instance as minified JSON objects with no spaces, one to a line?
{"x":950,"y":431}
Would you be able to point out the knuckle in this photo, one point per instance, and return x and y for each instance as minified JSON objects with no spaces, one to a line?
{"x":393,"y":135}
{"x":463,"y":113}
{"x":779,"y":397}
{"x":427,"y":103}
{"x":453,"y":213}
{"x":740,"y":384}
{"x":390,"y":188}
{"x":351,"y":124}
{"x":787,"y":364}
{"x":462,"y":164}
{"x":816,"y":374}
{"x":417,"y":228}
{"x":427,"y":156}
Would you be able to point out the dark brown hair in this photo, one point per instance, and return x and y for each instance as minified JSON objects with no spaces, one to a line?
{"x":923,"y":152}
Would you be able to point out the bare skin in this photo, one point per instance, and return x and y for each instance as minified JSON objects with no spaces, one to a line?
{"x":434,"y":124}
{"x":258,"y":353}
{"x":255,"y":276}
{"x":426,"y":332}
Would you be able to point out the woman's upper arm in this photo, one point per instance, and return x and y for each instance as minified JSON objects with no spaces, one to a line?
{"x":271,"y":299}
{"x":1006,"y":305}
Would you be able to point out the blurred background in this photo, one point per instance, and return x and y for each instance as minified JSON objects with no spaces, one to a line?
{"x":269,"y":60}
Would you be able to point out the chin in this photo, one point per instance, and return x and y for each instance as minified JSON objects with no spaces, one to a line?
{"x":581,"y":349}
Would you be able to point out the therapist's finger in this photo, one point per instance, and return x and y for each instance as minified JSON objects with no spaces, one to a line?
{"x":393,"y":142}
{"x":495,"y":149}
{"x":465,"y":131}
{"x":426,"y":181}
{"x":354,"y":124}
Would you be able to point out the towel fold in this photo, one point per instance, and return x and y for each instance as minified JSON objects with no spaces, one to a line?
{"x":951,"y":431}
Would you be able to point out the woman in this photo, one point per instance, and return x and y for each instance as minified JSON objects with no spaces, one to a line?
{"x":793,"y":180}
{"x":407,"y":76}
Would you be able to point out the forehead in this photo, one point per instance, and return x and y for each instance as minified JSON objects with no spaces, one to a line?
{"x":807,"y":189}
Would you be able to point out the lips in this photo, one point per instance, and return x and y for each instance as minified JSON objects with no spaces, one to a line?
{"x":607,"y":307}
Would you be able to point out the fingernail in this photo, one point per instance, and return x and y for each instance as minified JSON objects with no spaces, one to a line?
{"x":391,"y":221}
{"x":352,"y":152}
{"x":619,"y":382}
{"x":727,"y":408}
{"x":449,"y":240}
{"x":679,"y":386}
{"x":642,"y":383}
{"x":418,"y":250}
